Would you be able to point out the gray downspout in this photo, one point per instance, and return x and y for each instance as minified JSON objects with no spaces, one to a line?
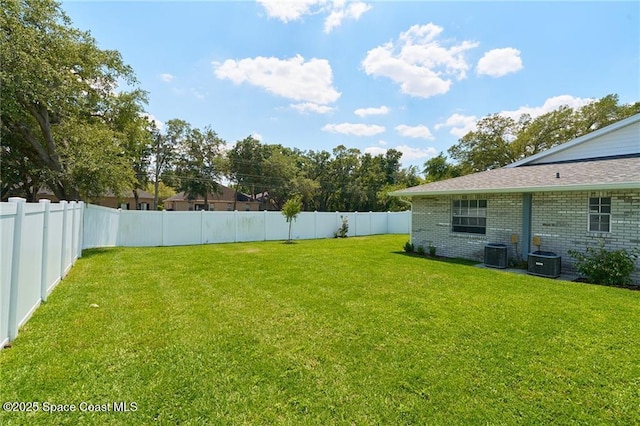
{"x":526,"y":224}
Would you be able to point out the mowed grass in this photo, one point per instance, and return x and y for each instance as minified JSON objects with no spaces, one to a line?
{"x":337,"y":331}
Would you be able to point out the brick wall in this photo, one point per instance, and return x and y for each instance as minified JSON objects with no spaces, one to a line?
{"x":561,"y":222}
{"x":559,"y":219}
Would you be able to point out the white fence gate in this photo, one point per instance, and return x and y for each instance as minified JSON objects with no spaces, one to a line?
{"x":39,"y":244}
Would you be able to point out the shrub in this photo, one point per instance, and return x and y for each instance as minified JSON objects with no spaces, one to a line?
{"x":606,"y":267}
{"x":344,"y":228}
{"x":408,"y":247}
{"x":432,"y":250}
{"x":420,"y":250}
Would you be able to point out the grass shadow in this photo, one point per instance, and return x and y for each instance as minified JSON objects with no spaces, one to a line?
{"x":451,"y":260}
{"x":99,"y":251}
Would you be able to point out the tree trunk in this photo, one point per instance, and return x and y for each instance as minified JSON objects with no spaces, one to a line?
{"x":155,"y":194}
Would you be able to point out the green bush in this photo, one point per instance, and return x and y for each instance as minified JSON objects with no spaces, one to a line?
{"x":408,"y":247}
{"x":432,"y":250}
{"x":606,"y":267}
{"x":420,"y":250}
{"x":344,"y":228}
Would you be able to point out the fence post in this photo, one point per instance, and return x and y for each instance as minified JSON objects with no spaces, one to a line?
{"x":162,"y":226}
{"x":73,"y":206}
{"x":202,"y":226}
{"x":45,"y":249}
{"x":81,"y":230}
{"x":264,"y":215}
{"x":15,"y":267}
{"x":315,"y":224}
{"x":235,"y":226}
{"x":64,"y":238}
{"x":355,"y":225}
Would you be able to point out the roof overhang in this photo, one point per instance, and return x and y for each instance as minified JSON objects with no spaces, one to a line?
{"x":520,"y":189}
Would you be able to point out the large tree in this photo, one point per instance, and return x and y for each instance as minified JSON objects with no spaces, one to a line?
{"x":500,"y":140}
{"x":60,"y":108}
{"x":199,"y":164}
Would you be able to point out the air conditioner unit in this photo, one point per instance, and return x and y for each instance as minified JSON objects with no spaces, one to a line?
{"x":544,"y":264}
{"x":495,"y":255}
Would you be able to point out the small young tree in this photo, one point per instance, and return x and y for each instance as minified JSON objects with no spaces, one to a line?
{"x":290,"y":210}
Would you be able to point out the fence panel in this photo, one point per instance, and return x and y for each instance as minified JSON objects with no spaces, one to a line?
{"x":29,"y":263}
{"x":181,"y":228}
{"x":39,"y":243}
{"x":140,"y":228}
{"x":8,"y":213}
{"x":250,"y":226}
{"x":101,"y":226}
{"x":53,"y":247}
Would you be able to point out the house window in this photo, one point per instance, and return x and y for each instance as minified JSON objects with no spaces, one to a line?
{"x":247,"y":207}
{"x":212,"y":207}
{"x":124,"y":206}
{"x":229,"y":207}
{"x":469,"y":216}
{"x":143,"y":206}
{"x":600,"y":214}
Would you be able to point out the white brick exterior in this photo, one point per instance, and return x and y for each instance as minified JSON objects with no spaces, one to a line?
{"x":560,"y":219}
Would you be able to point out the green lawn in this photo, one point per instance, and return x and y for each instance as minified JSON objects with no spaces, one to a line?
{"x":337,"y":331}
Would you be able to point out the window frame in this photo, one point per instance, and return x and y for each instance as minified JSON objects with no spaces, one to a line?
{"x":600,"y":213}
{"x":469,"y":216}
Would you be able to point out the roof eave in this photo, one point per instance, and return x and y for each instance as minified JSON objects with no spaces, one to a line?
{"x":550,"y":188}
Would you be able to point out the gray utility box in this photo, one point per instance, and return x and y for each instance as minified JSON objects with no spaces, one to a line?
{"x":544,"y":264}
{"x":495,"y":255}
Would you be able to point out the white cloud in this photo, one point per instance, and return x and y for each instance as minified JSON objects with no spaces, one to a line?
{"x":311,"y":107}
{"x":292,"y":78}
{"x":167,"y":78}
{"x":375,"y":150}
{"x":499,"y":62}
{"x":356,"y":129}
{"x":337,"y":10}
{"x":339,"y":13}
{"x":549,"y":105}
{"x":289,"y":10}
{"x":363,"y":112}
{"x":196,"y":93}
{"x":460,"y":124}
{"x":419,"y":62}
{"x":257,"y":136}
{"x":408,"y":153}
{"x":420,"y":131}
{"x":411,"y":153}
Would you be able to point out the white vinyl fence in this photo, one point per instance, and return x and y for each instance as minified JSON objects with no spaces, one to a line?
{"x":106,"y":227}
{"x":39,"y":244}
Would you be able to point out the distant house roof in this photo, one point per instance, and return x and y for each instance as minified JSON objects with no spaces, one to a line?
{"x":566,"y":167}
{"x":225,"y":194}
{"x":142,"y":194}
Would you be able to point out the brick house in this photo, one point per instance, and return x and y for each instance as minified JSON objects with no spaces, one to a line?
{"x":125,"y":201}
{"x":225,"y":199}
{"x":572,"y":196}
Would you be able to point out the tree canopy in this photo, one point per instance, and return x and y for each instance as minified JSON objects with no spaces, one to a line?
{"x":61,"y":108}
{"x":499,"y":140}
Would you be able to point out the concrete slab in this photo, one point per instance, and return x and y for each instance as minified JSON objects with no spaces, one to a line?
{"x":562,"y":277}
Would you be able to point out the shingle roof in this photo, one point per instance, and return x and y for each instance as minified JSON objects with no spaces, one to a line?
{"x":619,"y":173}
{"x":225,"y":194}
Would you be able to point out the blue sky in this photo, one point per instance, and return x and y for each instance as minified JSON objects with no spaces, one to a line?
{"x":414,"y":76}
